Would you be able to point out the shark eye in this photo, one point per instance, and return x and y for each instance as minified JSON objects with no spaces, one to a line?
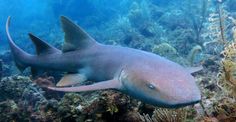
{"x":151,"y":86}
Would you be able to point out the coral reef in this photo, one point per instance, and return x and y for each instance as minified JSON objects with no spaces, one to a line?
{"x":13,"y":87}
{"x":23,"y":100}
{"x":10,"y":111}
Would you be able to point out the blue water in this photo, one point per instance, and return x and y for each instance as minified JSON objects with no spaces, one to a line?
{"x":42,"y":17}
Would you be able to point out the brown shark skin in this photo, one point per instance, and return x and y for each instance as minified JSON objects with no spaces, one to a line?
{"x":148,"y":77}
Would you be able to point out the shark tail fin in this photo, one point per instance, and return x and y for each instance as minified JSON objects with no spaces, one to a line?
{"x":42,"y":48}
{"x":19,"y":55}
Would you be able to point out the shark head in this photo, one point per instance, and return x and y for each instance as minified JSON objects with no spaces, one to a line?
{"x":170,"y":86}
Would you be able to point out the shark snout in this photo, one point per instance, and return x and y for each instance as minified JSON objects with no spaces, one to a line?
{"x":180,"y":95}
{"x":188,"y":98}
{"x":175,"y":98}
{"x":178,"y":105}
{"x":184,"y":101}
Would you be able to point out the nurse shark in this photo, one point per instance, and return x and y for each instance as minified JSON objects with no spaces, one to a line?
{"x":143,"y":75}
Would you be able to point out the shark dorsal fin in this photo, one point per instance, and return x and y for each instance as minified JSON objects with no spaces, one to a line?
{"x":42,"y":47}
{"x":75,"y":37}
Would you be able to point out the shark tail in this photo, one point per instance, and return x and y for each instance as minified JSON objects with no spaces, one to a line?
{"x":19,"y":55}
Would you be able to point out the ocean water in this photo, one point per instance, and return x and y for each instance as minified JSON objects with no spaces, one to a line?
{"x":192,"y":33}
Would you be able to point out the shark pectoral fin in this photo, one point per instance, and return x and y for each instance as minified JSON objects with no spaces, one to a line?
{"x":109,"y":84}
{"x":194,"y":69}
{"x":71,"y":79}
{"x":75,"y":37}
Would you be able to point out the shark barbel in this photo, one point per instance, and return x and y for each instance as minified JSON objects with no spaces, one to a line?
{"x":142,"y":75}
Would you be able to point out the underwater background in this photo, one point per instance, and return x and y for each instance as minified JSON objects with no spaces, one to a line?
{"x":189,"y":32}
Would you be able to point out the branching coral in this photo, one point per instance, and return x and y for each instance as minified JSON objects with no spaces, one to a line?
{"x":220,"y":101}
{"x":218,"y":24}
{"x":192,"y":54}
{"x":166,"y":115}
{"x":227,"y":75}
{"x":219,"y":33}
